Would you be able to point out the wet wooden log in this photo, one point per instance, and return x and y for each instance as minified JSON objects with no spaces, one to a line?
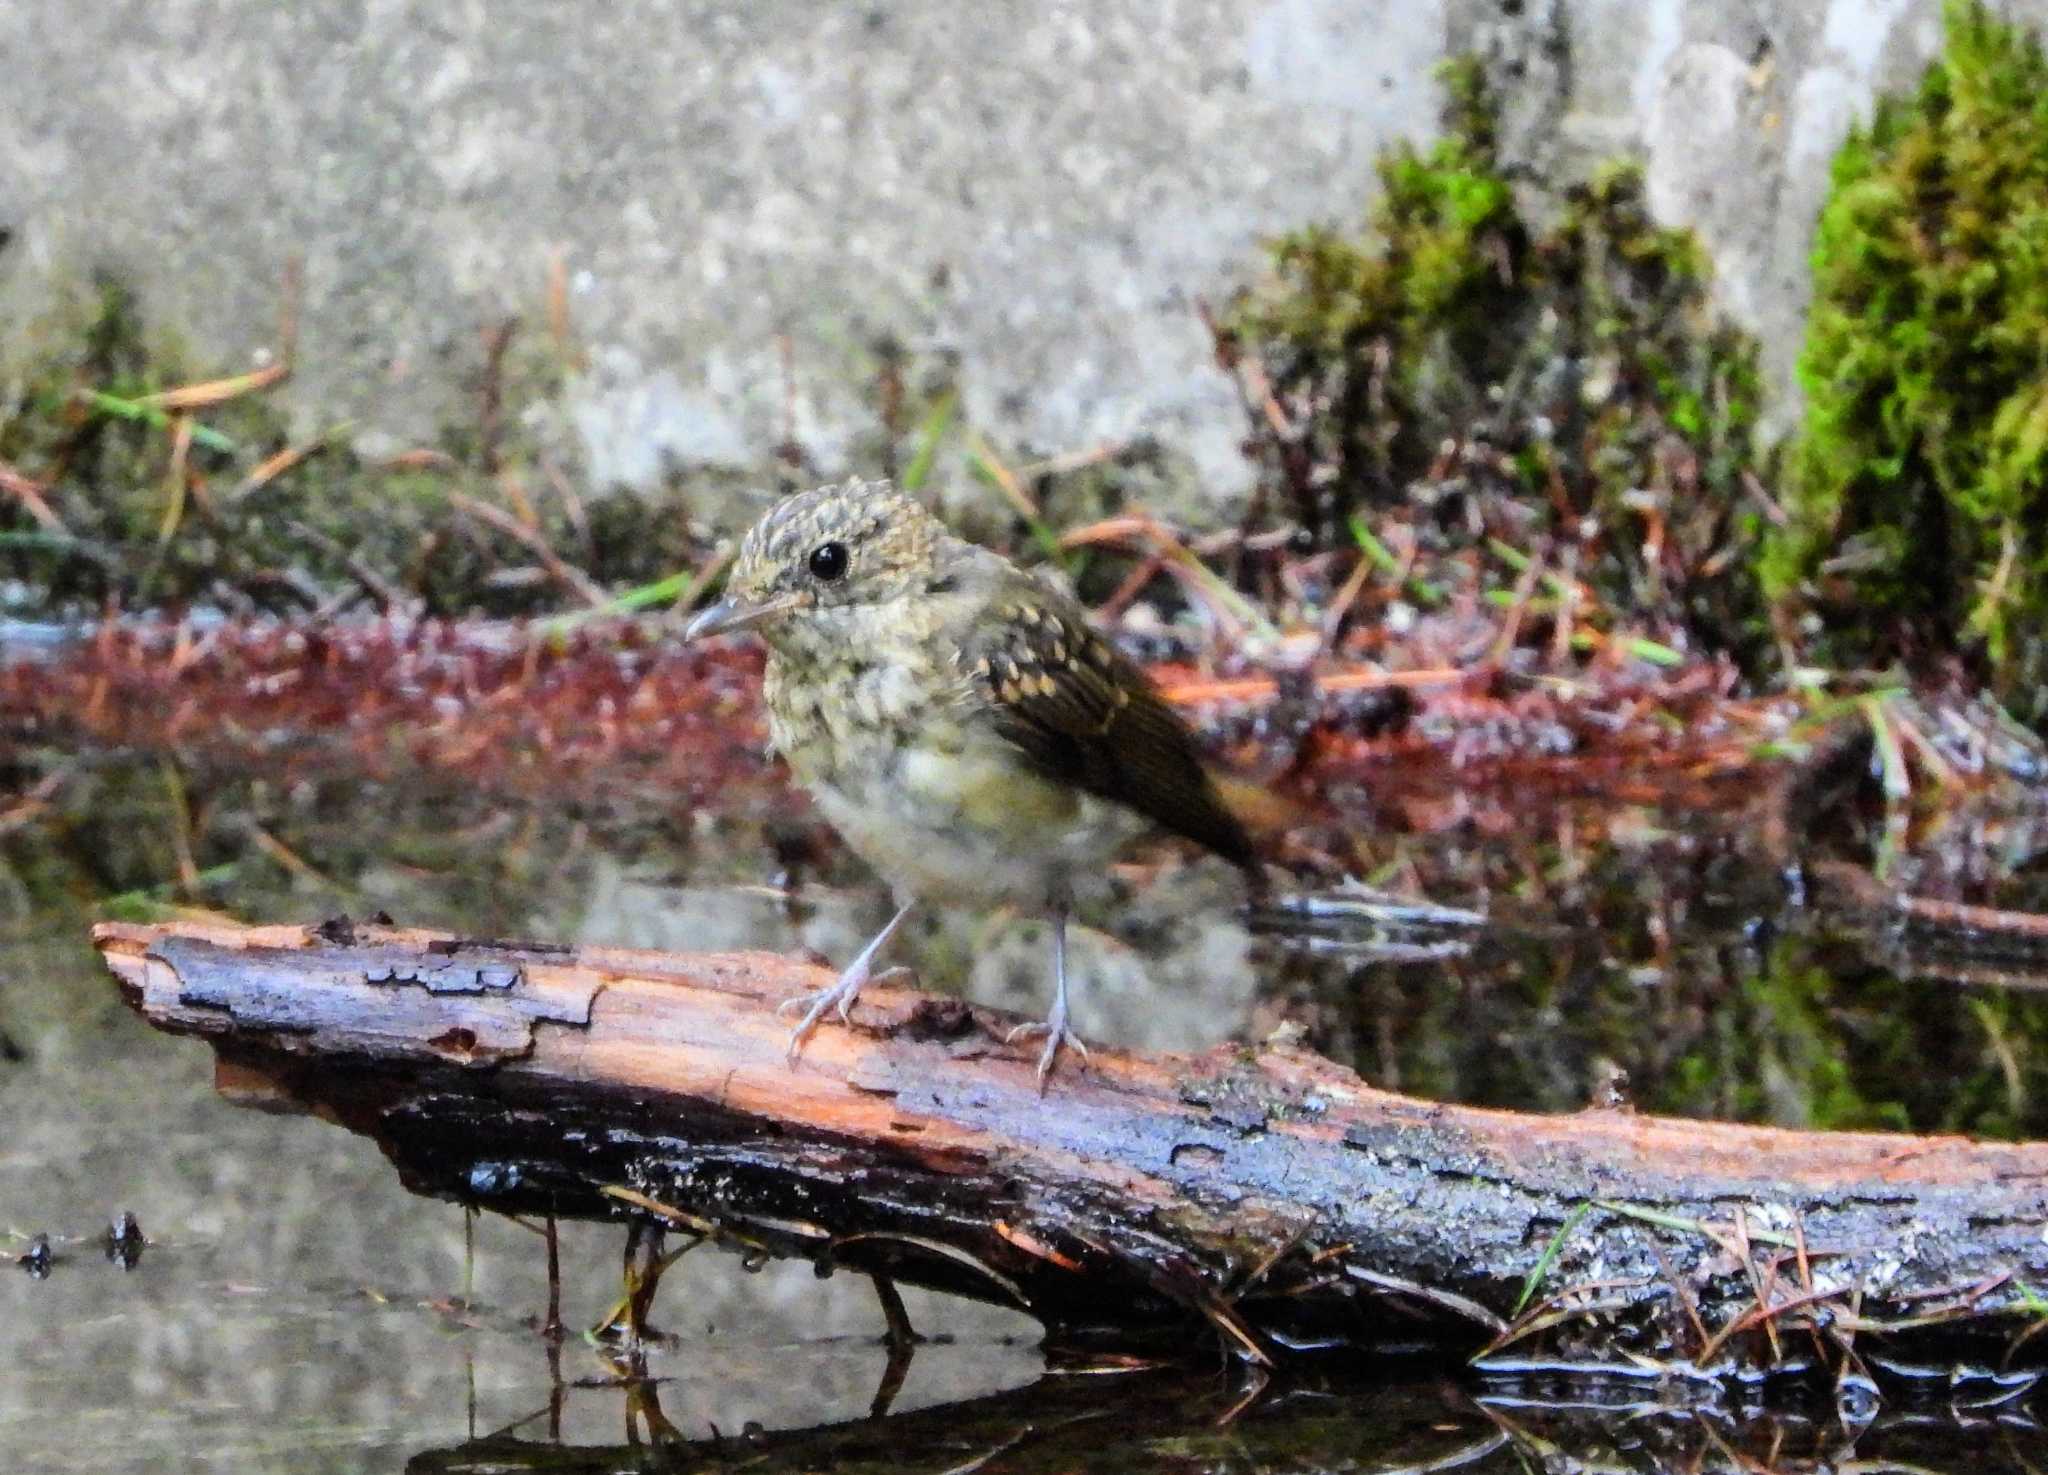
{"x":1266,"y":1194}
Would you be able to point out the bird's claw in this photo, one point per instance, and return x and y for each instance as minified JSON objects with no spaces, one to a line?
{"x":824,"y":996}
{"x":836,"y":998}
{"x":1057,"y":1037}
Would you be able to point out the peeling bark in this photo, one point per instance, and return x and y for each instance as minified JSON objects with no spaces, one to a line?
{"x":1267,"y":1193}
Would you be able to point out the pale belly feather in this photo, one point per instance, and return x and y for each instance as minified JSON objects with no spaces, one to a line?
{"x":973,"y":827}
{"x":953,"y":815}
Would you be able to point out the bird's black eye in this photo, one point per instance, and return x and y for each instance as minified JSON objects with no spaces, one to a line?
{"x":828,"y":561}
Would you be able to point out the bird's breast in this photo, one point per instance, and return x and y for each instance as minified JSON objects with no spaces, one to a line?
{"x":941,"y":808}
{"x":852,"y":712}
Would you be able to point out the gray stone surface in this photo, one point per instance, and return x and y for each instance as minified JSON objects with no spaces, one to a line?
{"x":1040,"y":191}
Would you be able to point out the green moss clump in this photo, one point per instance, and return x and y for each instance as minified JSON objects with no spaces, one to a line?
{"x":1429,"y":293}
{"x":1571,"y":370}
{"x":1921,"y":496}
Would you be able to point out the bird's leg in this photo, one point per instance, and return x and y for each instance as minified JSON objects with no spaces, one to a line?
{"x":843,"y":992}
{"x":1055,"y":1027}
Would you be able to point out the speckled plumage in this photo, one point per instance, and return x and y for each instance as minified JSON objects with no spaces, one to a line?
{"x":955,"y":717}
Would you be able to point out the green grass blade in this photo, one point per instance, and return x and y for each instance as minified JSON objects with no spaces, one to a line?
{"x":1041,"y":531}
{"x":934,"y":429}
{"x":669,"y":590}
{"x":128,"y":409}
{"x":1421,"y":591}
{"x":1548,"y":1258}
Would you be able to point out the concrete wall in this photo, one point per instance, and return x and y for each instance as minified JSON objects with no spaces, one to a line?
{"x":1042,"y":190}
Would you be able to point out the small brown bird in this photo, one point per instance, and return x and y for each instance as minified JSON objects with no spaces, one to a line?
{"x":956,"y":719}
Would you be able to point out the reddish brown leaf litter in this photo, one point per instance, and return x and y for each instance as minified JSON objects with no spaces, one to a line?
{"x":500,"y":706}
{"x":521,"y":708}
{"x":1638,"y":735}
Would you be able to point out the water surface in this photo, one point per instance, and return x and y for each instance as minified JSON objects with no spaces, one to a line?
{"x":297,"y":1310}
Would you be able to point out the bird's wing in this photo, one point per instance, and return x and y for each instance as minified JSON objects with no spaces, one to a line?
{"x":1083,"y":713}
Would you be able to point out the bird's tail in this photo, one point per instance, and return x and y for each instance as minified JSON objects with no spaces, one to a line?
{"x":1266,"y":816}
{"x":1264,"y":813}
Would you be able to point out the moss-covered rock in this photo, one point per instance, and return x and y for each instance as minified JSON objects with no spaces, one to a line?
{"x":1569,"y":378}
{"x":1919,"y":515}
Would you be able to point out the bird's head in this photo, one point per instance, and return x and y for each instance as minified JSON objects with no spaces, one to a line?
{"x":822,"y":563}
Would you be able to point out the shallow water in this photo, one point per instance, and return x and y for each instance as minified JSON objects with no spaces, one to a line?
{"x":297,"y":1310}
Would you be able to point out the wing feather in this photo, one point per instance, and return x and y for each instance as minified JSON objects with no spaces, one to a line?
{"x":1083,"y":713}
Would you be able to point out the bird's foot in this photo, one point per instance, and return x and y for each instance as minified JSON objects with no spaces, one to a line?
{"x":837,"y":998}
{"x":1057,"y":1035}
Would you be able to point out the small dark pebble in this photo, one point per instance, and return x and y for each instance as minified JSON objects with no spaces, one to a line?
{"x":10,"y":1049}
{"x":38,"y":1260}
{"x":1610,"y":1090}
{"x":938,"y":1019}
{"x":340,"y":931}
{"x":797,"y":848}
{"x":1376,"y":713}
{"x":125,"y":1241}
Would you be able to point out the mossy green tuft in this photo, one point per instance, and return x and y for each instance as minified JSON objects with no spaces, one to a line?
{"x":1573,"y":367}
{"x":1919,"y":513}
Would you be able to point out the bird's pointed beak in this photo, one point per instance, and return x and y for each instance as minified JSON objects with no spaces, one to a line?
{"x":730,"y":615}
